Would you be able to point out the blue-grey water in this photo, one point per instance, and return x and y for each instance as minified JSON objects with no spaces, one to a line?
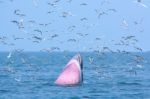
{"x":31,"y":75}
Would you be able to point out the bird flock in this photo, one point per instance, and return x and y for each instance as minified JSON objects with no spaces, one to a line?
{"x":43,"y":32}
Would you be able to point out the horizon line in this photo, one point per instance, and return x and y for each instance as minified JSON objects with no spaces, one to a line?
{"x":80,"y":51}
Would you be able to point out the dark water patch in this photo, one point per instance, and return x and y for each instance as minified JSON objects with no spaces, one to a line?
{"x":129,"y":84}
{"x":2,"y":91}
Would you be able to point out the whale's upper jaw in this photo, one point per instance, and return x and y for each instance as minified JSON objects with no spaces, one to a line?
{"x":79,"y":59}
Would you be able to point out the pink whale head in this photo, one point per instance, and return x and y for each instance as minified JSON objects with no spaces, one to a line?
{"x":72,"y":73}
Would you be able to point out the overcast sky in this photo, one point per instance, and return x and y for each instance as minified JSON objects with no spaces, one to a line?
{"x":73,"y":25}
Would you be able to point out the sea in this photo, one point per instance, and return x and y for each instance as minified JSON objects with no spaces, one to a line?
{"x":31,"y":75}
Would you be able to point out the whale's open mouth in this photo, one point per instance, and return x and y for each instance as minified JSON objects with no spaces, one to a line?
{"x":72,"y":73}
{"x":79,"y":59}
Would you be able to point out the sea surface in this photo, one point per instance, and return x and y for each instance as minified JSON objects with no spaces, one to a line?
{"x":31,"y":75}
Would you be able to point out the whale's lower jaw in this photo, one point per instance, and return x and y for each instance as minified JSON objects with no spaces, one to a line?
{"x":71,"y":75}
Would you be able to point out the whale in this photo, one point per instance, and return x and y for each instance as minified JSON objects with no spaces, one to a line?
{"x":72,"y":73}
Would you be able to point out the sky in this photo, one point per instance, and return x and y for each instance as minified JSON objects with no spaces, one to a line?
{"x":68,"y":20}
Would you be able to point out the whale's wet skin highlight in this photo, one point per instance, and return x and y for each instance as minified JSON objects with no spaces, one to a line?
{"x":31,"y":75}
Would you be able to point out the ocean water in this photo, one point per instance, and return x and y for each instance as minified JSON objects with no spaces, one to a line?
{"x":31,"y":75}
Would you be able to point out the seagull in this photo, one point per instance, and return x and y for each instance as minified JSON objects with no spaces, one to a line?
{"x":140,"y":49}
{"x":48,"y":50}
{"x":14,"y":21}
{"x":53,"y":36}
{"x":52,"y":4}
{"x":128,"y":37}
{"x":56,"y":1}
{"x":65,"y":14}
{"x":91,"y":59}
{"x":19,"y":50}
{"x":38,"y":38}
{"x":9,"y":56}
{"x":18,"y":12}
{"x":135,"y":40}
{"x":83,"y":19}
{"x":32,"y":21}
{"x":72,"y":40}
{"x":118,"y":51}
{"x":139,"y":66}
{"x":97,"y":38}
{"x":17,"y":79}
{"x":124,"y":24}
{"x":55,"y":48}
{"x":17,"y":38}
{"x":36,"y":42}
{"x":18,"y":23}
{"x":140,"y":3}
{"x":81,"y":34}
{"x":71,"y":28}
{"x":107,"y":48}
{"x":46,"y":24}
{"x":39,"y":31}
{"x":84,"y":4}
{"x":23,"y":61}
{"x":138,"y":58}
{"x":138,"y":22}
{"x":113,"y":10}
{"x":49,"y":12}
{"x":100,"y":13}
